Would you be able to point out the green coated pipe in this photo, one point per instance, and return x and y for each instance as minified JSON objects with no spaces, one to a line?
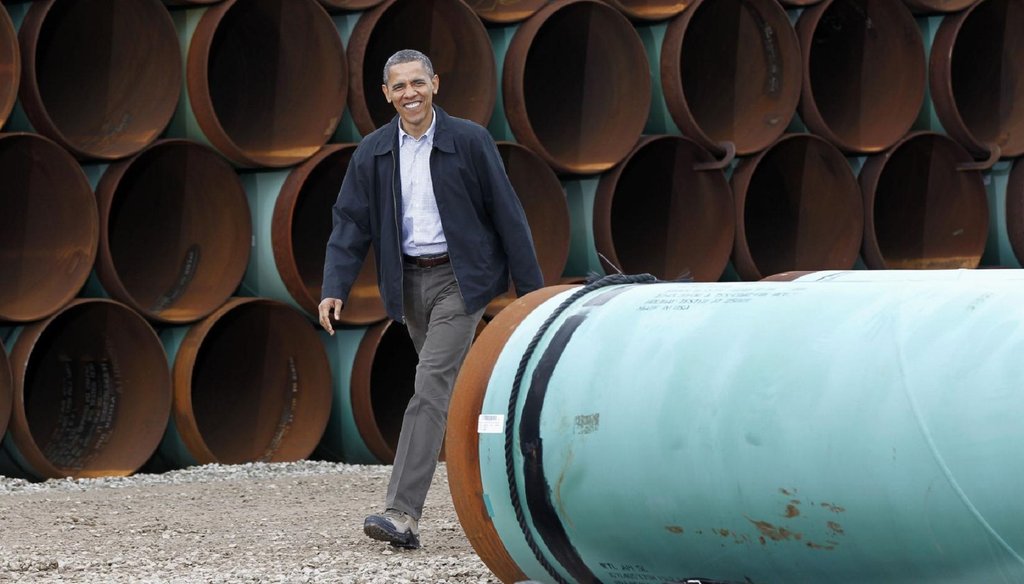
{"x":346,"y":131}
{"x":928,"y":118}
{"x":501,"y":38}
{"x":581,"y":193}
{"x":341,"y":440}
{"x":727,"y":433}
{"x":1006,"y":216}
{"x":262,"y":277}
{"x":659,"y":119}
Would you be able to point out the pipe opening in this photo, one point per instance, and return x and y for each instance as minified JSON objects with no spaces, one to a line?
{"x":730,"y":73}
{"x":577,"y":86}
{"x":10,"y":65}
{"x":801,"y":210}
{"x":925,"y":213}
{"x":250,"y":80}
{"x":302,"y":223}
{"x":449,"y":33}
{"x":383,"y":378}
{"x":48,"y":227}
{"x":505,"y":12}
{"x":987,"y":59}
{"x":656,"y":214}
{"x":96,"y":392}
{"x":864,"y":76}
{"x":103,"y":78}
{"x":177,"y":231}
{"x":260,"y":384}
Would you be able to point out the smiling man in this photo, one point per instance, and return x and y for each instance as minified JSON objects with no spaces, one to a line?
{"x":429,"y":191}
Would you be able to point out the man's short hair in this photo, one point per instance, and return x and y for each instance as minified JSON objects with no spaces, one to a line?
{"x":408,"y":56}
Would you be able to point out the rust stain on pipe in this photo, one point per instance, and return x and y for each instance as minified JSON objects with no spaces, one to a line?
{"x":99,"y":77}
{"x":505,"y":11}
{"x":49,"y":227}
{"x":730,"y":72}
{"x":920,"y":212}
{"x":798,"y":207}
{"x":10,"y":65}
{"x":655,"y":213}
{"x":91,"y":392}
{"x":546,"y":209}
{"x":864,"y":72}
{"x":932,"y":6}
{"x":448,"y":32}
{"x":251,"y":383}
{"x":300,"y":228}
{"x":174,"y":231}
{"x":976,"y":61}
{"x":462,"y":442}
{"x":267,"y":80}
{"x":576,"y":85}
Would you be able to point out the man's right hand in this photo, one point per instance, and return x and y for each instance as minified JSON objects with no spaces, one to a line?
{"x":328,"y":305}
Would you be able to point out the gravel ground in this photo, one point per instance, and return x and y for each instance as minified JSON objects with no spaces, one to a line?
{"x":285,"y":522}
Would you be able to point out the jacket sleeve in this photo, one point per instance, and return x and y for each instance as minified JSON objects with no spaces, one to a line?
{"x":350,"y":234}
{"x":509,"y":220}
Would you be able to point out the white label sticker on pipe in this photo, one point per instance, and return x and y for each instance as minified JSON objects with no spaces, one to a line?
{"x":490,"y":424}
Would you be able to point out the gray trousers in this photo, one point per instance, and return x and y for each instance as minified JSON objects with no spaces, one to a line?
{"x":442,"y":332}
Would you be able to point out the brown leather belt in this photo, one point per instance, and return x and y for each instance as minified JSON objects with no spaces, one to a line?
{"x":426,"y":261}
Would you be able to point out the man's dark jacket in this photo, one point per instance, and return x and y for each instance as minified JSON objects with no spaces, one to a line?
{"x":484,"y":224}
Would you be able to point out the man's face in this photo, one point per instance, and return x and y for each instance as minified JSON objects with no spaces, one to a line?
{"x":411,"y":91}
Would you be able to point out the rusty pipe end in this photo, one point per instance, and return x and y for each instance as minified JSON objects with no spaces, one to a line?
{"x":175,"y":231}
{"x":6,"y":389}
{"x":602,"y":88}
{"x":547,"y":212}
{"x":730,"y":72}
{"x":937,"y":6}
{"x":462,"y":448}
{"x":656,"y":213}
{"x":920,"y":212}
{"x":650,"y":10}
{"x":100,"y":78}
{"x":1015,"y":210}
{"x":301,"y":224}
{"x":10,"y":65}
{"x":48,"y":227}
{"x":864,"y":72}
{"x":798,"y":207}
{"x":92,"y":392}
{"x":973,"y":55}
{"x":448,"y":32}
{"x":249,"y":80}
{"x":506,"y":12}
{"x":229,"y":411}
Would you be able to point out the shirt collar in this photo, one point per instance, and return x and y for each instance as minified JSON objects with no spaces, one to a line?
{"x":428,"y":135}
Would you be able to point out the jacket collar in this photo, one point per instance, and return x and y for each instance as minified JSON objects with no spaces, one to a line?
{"x":388,"y":137}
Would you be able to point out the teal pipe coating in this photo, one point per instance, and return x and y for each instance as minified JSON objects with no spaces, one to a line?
{"x":341,"y":440}
{"x":861,"y":431}
{"x":346,"y":131}
{"x":501,"y":37}
{"x":1005,"y":190}
{"x":659,"y":119}
{"x":580,"y":194}
{"x":6,"y":388}
{"x":262,"y":277}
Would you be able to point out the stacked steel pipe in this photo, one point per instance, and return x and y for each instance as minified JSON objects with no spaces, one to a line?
{"x":684,"y":138}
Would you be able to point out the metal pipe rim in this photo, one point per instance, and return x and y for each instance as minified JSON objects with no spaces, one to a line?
{"x":462,"y":443}
{"x":144,"y":105}
{"x":493,"y":12}
{"x":6,"y":389}
{"x":197,"y":278}
{"x":10,"y":65}
{"x":148,"y":411}
{"x":937,"y":6}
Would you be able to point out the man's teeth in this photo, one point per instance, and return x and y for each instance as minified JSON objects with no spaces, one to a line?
{"x":413,"y":105}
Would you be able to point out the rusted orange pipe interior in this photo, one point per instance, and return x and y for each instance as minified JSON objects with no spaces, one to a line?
{"x":6,"y":389}
{"x":302,"y":224}
{"x":349,"y":5}
{"x":730,"y":72}
{"x":267,"y":79}
{"x":576,"y":85}
{"x":92,"y":392}
{"x":10,"y":65}
{"x":864,"y":72}
{"x":640,"y":10}
{"x":656,"y":213}
{"x":175,"y":231}
{"x":933,"y":6}
{"x":49,"y":227}
{"x":798,"y":207}
{"x":920,"y":211}
{"x":251,"y":383}
{"x":101,"y":78}
{"x":448,"y":32}
{"x":975,"y":58}
{"x":383,"y":375}
{"x":505,"y":12}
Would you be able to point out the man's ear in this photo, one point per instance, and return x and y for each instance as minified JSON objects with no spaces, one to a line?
{"x":437,"y":83}
{"x":387,"y":95}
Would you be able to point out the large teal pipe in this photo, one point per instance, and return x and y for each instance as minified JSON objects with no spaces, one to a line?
{"x":92,"y":393}
{"x":251,"y":383}
{"x":1004,"y":185}
{"x":291,"y":218}
{"x":372,"y":369}
{"x":658,"y":432}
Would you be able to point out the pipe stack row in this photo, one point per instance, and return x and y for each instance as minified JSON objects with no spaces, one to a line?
{"x":170,"y":169}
